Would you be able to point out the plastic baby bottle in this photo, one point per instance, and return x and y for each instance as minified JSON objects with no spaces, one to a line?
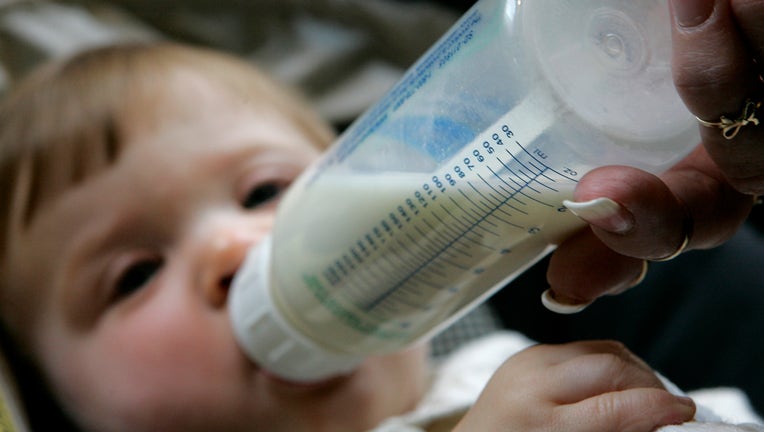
{"x":452,"y":185}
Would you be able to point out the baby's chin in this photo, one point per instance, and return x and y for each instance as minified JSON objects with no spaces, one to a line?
{"x":381,"y":387}
{"x":410,"y":363}
{"x":397,"y":381}
{"x":288,"y":386}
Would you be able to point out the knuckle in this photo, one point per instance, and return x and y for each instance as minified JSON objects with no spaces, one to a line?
{"x":702,"y":76}
{"x":615,"y":365}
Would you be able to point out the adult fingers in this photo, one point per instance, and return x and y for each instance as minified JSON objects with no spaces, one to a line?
{"x":715,"y":44}
{"x":644,"y":220}
{"x":715,"y":208}
{"x":695,"y":204}
{"x":692,"y":199}
{"x":645,"y":217}
{"x":583,"y":268}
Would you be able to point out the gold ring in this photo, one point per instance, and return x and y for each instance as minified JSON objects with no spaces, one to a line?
{"x":687,"y":231}
{"x":677,"y":252}
{"x":730,"y":128}
{"x":642,"y":274}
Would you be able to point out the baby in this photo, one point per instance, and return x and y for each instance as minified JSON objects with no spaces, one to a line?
{"x":134,"y":180}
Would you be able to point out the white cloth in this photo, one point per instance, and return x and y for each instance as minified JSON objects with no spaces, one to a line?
{"x":458,"y":381}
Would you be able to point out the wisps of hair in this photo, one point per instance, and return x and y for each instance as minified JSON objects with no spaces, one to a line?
{"x":65,"y":122}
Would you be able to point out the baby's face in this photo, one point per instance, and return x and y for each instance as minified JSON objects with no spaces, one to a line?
{"x":123,"y":282}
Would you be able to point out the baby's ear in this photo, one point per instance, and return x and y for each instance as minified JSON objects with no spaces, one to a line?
{"x":12,"y":418}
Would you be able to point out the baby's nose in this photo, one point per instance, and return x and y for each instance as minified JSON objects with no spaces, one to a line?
{"x":224,"y":254}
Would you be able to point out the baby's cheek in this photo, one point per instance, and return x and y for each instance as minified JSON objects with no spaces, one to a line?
{"x":153,"y":373}
{"x":105,"y":399}
{"x":143,"y":398}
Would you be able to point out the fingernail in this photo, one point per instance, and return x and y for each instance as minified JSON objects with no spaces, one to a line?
{"x":684,"y":400}
{"x":692,"y":13}
{"x":555,"y":304}
{"x":603,"y":213}
{"x":634,"y":282}
{"x":686,"y":410}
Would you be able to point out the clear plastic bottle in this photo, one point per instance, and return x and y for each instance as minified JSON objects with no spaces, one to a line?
{"x":452,"y":185}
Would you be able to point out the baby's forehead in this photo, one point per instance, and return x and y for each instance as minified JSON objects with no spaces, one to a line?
{"x":84,"y":112}
{"x":67,"y":151}
{"x":182,"y":96}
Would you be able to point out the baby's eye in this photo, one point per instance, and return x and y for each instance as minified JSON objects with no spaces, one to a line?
{"x":135,"y":276}
{"x":261,"y":194}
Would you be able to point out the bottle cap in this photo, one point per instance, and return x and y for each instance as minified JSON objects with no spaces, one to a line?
{"x":610,"y":63}
{"x":267,"y":337}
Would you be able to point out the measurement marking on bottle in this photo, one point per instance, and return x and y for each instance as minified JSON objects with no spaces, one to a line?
{"x":484,"y":206}
{"x":480,"y":221}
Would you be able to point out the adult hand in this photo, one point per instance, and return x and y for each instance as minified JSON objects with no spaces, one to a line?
{"x":716,"y":47}
{"x":636,"y":217}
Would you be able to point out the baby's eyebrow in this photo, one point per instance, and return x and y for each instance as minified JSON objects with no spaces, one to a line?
{"x":59,"y":164}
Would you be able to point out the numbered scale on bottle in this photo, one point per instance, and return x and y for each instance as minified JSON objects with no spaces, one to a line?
{"x":431,"y":243}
